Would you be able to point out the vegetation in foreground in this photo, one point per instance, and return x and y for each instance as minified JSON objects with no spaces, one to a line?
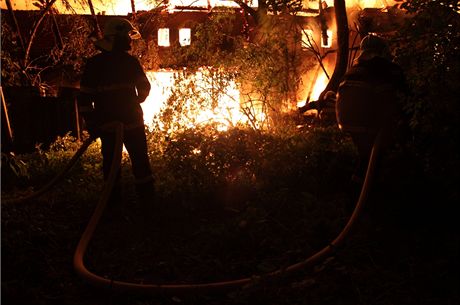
{"x":232,"y":204}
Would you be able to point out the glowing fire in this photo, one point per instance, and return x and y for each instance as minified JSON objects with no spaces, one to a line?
{"x":359,"y":3}
{"x":123,"y":7}
{"x":231,"y":109}
{"x":317,"y":82}
{"x":225,"y":114}
{"x":319,"y":86}
{"x":161,"y":82}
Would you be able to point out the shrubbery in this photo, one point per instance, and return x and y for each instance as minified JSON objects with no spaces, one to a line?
{"x":206,"y":165}
{"x":247,"y":161}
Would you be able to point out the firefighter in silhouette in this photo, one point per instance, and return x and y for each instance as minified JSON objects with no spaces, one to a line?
{"x":369,"y":99}
{"x":112,"y":87}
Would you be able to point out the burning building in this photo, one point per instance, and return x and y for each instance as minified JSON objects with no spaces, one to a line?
{"x":178,"y":55}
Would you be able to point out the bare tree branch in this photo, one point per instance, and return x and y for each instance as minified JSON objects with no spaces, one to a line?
{"x":35,"y":29}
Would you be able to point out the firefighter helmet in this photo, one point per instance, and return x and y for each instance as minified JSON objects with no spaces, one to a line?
{"x":120,"y":27}
{"x":373,"y":42}
{"x":116,"y":28}
{"x":373,"y":46}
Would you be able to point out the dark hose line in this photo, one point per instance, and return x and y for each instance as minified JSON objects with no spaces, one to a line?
{"x":176,"y":289}
{"x":56,"y":179}
{"x":338,"y":241}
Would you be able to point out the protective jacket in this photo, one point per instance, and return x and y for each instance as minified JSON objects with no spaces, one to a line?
{"x":112,"y":87}
{"x":368,"y":103}
{"x":368,"y":95}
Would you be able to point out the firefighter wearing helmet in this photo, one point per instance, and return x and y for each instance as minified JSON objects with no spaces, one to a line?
{"x":112,"y":87}
{"x":368,"y":99}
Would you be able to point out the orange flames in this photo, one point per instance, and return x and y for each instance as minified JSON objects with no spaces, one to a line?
{"x":225,"y":114}
{"x":318,"y":86}
{"x":123,"y":7}
{"x":231,"y":109}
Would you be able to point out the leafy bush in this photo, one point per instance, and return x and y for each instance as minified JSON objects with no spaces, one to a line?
{"x":38,"y":168}
{"x":205,"y":164}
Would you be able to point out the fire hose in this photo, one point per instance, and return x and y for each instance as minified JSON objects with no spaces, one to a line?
{"x":56,"y":179}
{"x":175,"y":289}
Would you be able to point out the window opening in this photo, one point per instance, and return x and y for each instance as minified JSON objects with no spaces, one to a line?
{"x":163,"y":37}
{"x":184,"y":37}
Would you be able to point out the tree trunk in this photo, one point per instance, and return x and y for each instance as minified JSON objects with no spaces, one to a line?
{"x":133,"y":8}
{"x":57,"y":32}
{"x":259,"y":14}
{"x":96,"y":22}
{"x":34,"y":31}
{"x":342,"y":47}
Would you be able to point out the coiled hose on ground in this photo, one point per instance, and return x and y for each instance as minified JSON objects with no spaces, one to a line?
{"x":176,"y":289}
